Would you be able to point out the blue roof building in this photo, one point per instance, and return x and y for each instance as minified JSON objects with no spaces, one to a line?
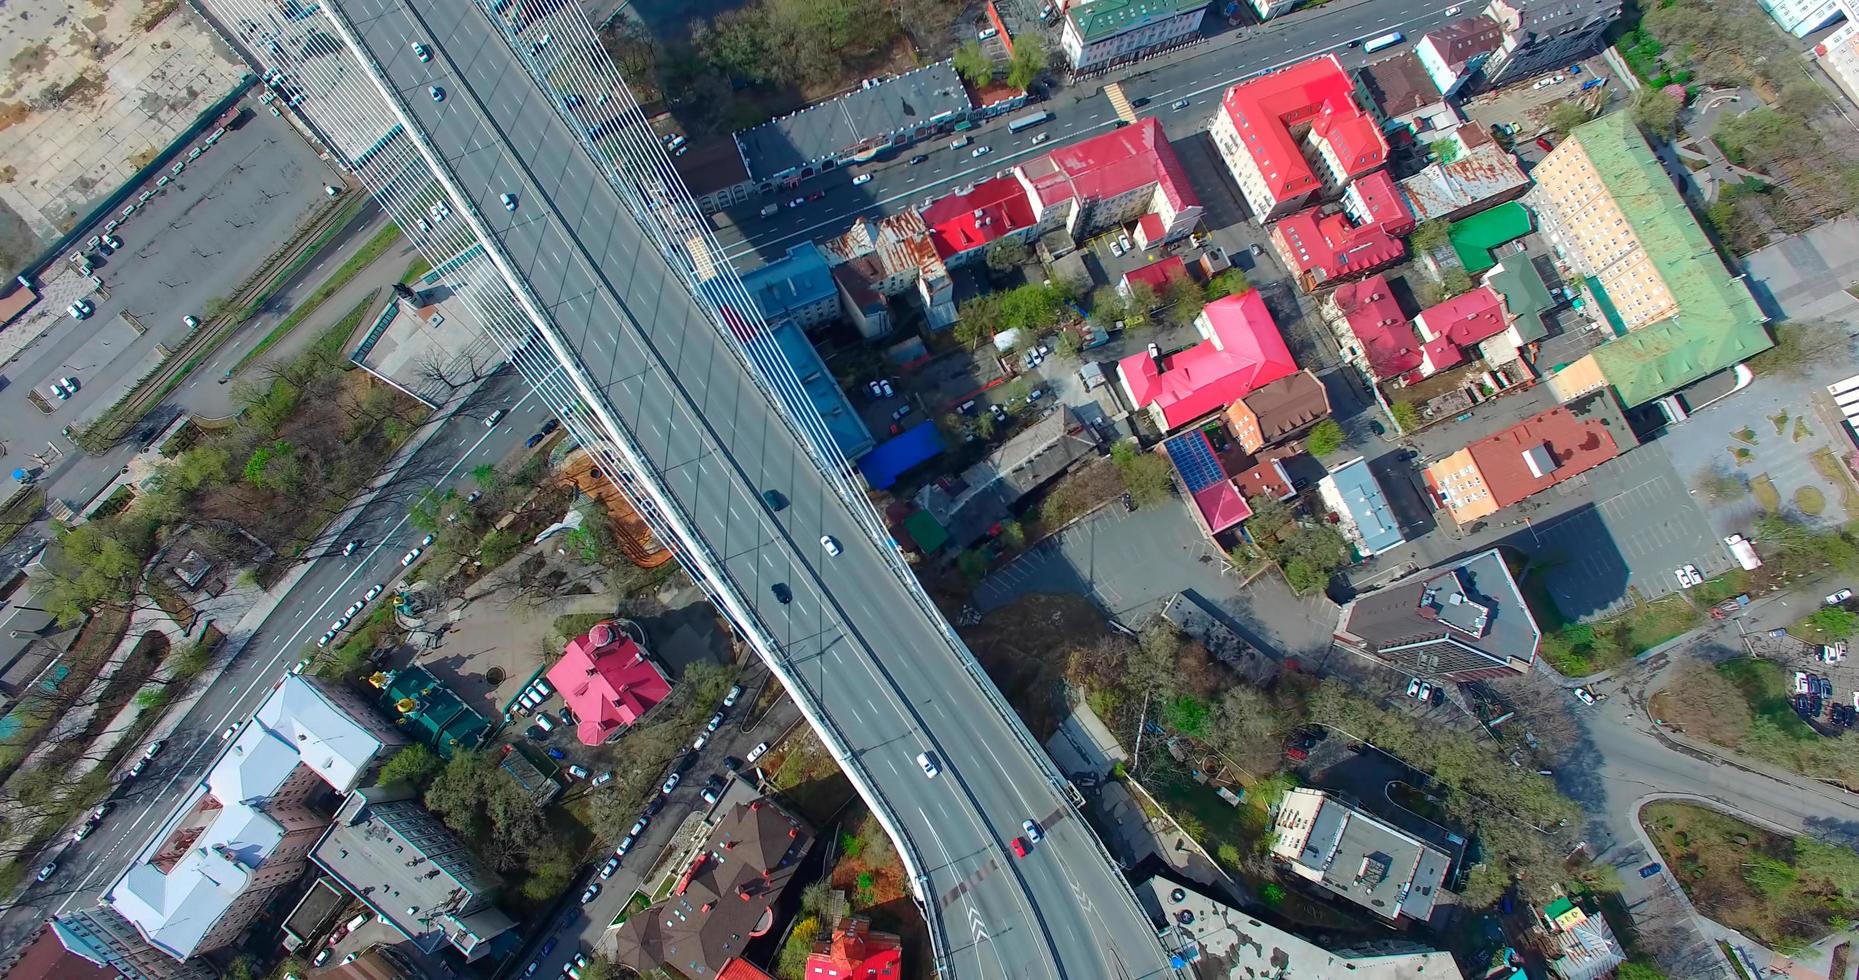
{"x":895,"y":456}
{"x":1367,"y":521}
{"x":799,"y":287}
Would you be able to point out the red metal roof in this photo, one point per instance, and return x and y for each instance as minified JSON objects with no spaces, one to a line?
{"x":1221,"y":506}
{"x":1329,"y":246}
{"x":1570,"y":445}
{"x":607,"y":681}
{"x":738,"y":969}
{"x":1116,"y":163}
{"x":1244,"y":352}
{"x":1387,"y":338}
{"x":1467,"y":318}
{"x":856,"y":953}
{"x":992,"y":208}
{"x":1318,"y":93}
{"x":1157,"y":275}
{"x":1383,"y":203}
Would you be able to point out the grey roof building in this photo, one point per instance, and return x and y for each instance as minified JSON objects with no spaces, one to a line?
{"x":101,"y":935}
{"x":893,"y":111}
{"x":1482,"y":175}
{"x":412,"y":871}
{"x":1462,"y":621}
{"x":968,"y":505}
{"x":1368,"y":861}
{"x":1542,"y":35}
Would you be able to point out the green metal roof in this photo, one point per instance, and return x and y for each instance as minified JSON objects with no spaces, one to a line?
{"x":1524,"y":294}
{"x":1099,"y":19}
{"x":1718,"y":323}
{"x":929,"y":535}
{"x":1475,"y":237}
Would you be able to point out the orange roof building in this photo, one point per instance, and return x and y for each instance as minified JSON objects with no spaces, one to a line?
{"x":1529,"y":457}
{"x":854,"y":952}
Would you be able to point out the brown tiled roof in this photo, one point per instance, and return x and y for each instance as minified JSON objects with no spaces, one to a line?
{"x":1464,"y":39}
{"x":1399,"y":84}
{"x":1288,"y":404}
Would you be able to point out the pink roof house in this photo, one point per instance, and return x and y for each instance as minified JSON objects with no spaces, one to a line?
{"x":608,"y":682}
{"x":1243,"y":351}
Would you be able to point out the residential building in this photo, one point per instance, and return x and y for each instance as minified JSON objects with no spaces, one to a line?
{"x":972,"y":505}
{"x":1156,"y":275}
{"x":1607,"y":206}
{"x":962,"y":225}
{"x":1404,"y":96}
{"x":1267,"y":9}
{"x":1371,"y":330}
{"x":1218,"y":505}
{"x":1448,"y":329}
{"x":1363,"y":515}
{"x":100,"y":935}
{"x":1278,"y":410}
{"x":1375,"y":201}
{"x":1323,"y":247}
{"x":723,"y":899}
{"x":1128,"y":174}
{"x":713,"y":171}
{"x":1839,"y":55}
{"x":1526,"y":302}
{"x":1453,"y":53}
{"x":1464,"y":621}
{"x":1216,"y":941}
{"x":608,"y":681}
{"x":1366,"y":860}
{"x":1099,"y":33}
{"x":798,"y":287}
{"x":740,"y":969}
{"x":1296,"y":135}
{"x":1529,"y":457}
{"x":1241,"y":352}
{"x":863,"y":306}
{"x":1478,"y":174}
{"x":245,"y":830}
{"x":412,"y":872}
{"x":1544,"y":35}
{"x":889,"y":257}
{"x":1576,"y":943}
{"x":880,"y":114}
{"x":855,"y":952}
{"x":1804,"y":17}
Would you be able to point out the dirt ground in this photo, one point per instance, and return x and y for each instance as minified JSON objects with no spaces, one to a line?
{"x":1024,"y":646}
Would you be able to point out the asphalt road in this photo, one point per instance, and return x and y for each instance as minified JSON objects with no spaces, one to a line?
{"x":879,"y":670}
{"x":1079,"y":112}
{"x":333,"y":582}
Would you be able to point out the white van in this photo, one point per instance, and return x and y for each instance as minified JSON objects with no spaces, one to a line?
{"x":542,"y":687}
{"x":543,"y":722}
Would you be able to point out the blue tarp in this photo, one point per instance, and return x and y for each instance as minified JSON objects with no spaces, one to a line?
{"x":893,"y":457}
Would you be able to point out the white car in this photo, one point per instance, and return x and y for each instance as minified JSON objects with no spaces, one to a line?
{"x":1685,"y":581}
{"x":336,"y":627}
{"x":927,"y":763}
{"x":509,"y":202}
{"x":349,"y":549}
{"x":979,"y":151}
{"x":410,"y":557}
{"x":1800,"y":682}
{"x":80,"y":309}
{"x":426,"y":542}
{"x":612,"y":865}
{"x":671,"y":783}
{"x":577,"y":772}
{"x":69,"y":385}
{"x":761,"y":749}
{"x":1413,"y":687}
{"x":735,"y":691}
{"x":422,"y":52}
{"x":303,"y":665}
{"x":354,"y":608}
{"x":323,"y":641}
{"x":1585,"y":696}
{"x":369,"y":595}
{"x":491,"y":420}
{"x":861,"y":179}
{"x":191,"y":321}
{"x":437,"y":93}
{"x":1839,"y":597}
{"x":1033,"y":833}
{"x":831,"y":546}
{"x":797,"y":202}
{"x":1116,"y":248}
{"x":228,"y":733}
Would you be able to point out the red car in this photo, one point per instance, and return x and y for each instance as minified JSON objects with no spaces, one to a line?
{"x":1543,"y":142}
{"x":1019,"y":847}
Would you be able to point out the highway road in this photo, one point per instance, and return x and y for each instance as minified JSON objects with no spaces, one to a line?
{"x":461,"y":444}
{"x":879,"y":670}
{"x":1079,"y":112}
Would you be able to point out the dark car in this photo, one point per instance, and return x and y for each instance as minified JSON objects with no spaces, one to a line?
{"x":536,"y":734}
{"x":919,"y":158}
{"x":774,"y":500}
{"x":1377,"y":428}
{"x":1129,"y":502}
{"x":1650,"y":870}
{"x":551,"y":425}
{"x":783,"y":594}
{"x":531,"y":442}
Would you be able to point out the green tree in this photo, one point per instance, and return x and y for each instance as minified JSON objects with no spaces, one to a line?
{"x":1272,"y":894}
{"x":1454,"y":280}
{"x":1232,"y":282}
{"x":972,"y":564}
{"x":1406,"y":416}
{"x":792,"y":963}
{"x":1834,"y":622}
{"x":1445,"y":151}
{"x":1145,"y":475}
{"x":1656,"y":111}
{"x":974,"y":64}
{"x":1431,"y":236}
{"x":1067,"y":345}
{"x":1773,"y":877}
{"x":600,"y":968}
{"x":1029,"y":59}
{"x":1107,"y":307}
{"x":1007,"y":253}
{"x":414,"y":765}
{"x":1565,"y":116}
{"x":1636,"y":970}
{"x":1185,"y":299}
{"x":1012,"y":534}
{"x":1325,"y":438}
{"x":498,"y":547}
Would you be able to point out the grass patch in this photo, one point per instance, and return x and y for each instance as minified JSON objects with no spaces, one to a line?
{"x":415,"y":269}
{"x":1729,"y":585}
{"x":1580,"y":649}
{"x":1780,"y":421}
{"x":1744,"y":435}
{"x":1783,"y":892}
{"x":1743,"y":705}
{"x":1801,"y":431}
{"x":572,"y":625}
{"x":1763,"y":489}
{"x":1810,"y":501}
{"x":365,"y":256}
{"x":1829,"y":467}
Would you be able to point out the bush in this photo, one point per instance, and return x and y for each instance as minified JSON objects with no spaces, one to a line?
{"x":1325,"y":439}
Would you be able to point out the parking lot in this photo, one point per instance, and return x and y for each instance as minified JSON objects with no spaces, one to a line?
{"x":1796,"y":656}
{"x":195,"y":239}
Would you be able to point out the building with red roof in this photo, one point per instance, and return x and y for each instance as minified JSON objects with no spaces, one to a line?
{"x":1268,"y":131}
{"x":1375,"y":199}
{"x":739,"y":969}
{"x":963,"y":225}
{"x":1370,"y":328}
{"x":1155,"y":275}
{"x":1325,"y":247}
{"x":1111,"y":180}
{"x":854,"y":952}
{"x":1243,"y":351}
{"x":1530,"y":457}
{"x":609,"y":683}
{"x":1448,"y":330}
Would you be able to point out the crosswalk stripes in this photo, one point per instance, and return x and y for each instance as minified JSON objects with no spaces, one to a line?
{"x":1120,"y":102}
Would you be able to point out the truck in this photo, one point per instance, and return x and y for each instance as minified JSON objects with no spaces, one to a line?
{"x":1743,"y":552}
{"x":1387,"y":40}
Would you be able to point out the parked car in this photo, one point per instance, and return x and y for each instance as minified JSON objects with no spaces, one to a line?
{"x":1839,"y":597}
{"x":761,"y":749}
{"x":410,"y":557}
{"x":1651,"y":869}
{"x":715,"y":722}
{"x":590,"y":893}
{"x":671,"y":783}
{"x":1584,"y":695}
{"x":735,"y":691}
{"x":612,"y":865}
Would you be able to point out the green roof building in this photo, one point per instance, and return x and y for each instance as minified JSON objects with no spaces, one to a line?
{"x":1606,"y":203}
{"x":1102,"y":32}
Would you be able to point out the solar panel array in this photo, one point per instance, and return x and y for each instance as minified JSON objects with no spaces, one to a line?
{"x":1194,"y":458}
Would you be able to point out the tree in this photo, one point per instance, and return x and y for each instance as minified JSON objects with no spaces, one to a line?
{"x":1565,"y":116}
{"x":1067,"y":345}
{"x":1431,"y":236}
{"x":1638,"y":970}
{"x":1445,"y":151}
{"x":1029,"y":59}
{"x":1454,"y":280}
{"x":1656,"y":111}
{"x":1800,"y":346}
{"x":1145,"y":475}
{"x":1012,"y":534}
{"x":974,"y":64}
{"x":792,"y":962}
{"x":1185,"y":299}
{"x":1406,"y":416}
{"x":600,"y":968}
{"x":1324,"y":439}
{"x":414,"y":765}
{"x":1232,"y":282}
{"x":1107,"y":307}
{"x":1007,"y":253}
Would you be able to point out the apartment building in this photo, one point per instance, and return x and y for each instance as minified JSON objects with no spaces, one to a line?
{"x":102,"y":936}
{"x":1544,"y":35}
{"x":1804,"y":17}
{"x":964,"y":224}
{"x":1454,"y":53}
{"x":1525,"y":459}
{"x":1605,"y":204}
{"x":797,"y":286}
{"x":1839,"y":56}
{"x":1461,"y":622}
{"x":1296,"y":135}
{"x":1099,"y":33}
{"x":1362,"y":858}
{"x":1130,"y":174}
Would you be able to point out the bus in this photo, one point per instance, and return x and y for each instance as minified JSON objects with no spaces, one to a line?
{"x":1387,"y":40}
{"x":1028,"y":121}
